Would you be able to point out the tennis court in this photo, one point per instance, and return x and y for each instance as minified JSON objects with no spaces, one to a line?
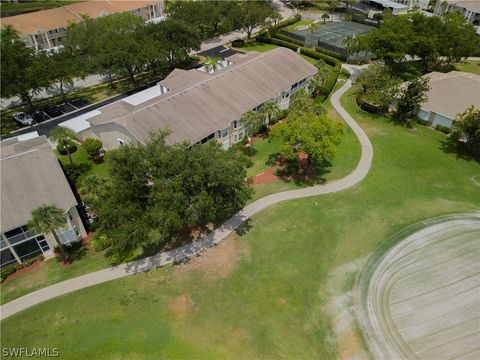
{"x":333,"y":33}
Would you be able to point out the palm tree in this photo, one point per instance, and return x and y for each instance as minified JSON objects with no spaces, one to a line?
{"x":269,"y":110}
{"x":212,"y":64}
{"x":312,"y":86}
{"x":322,"y":75}
{"x":349,"y":42}
{"x":48,"y":218}
{"x":333,"y":5}
{"x":251,"y":121}
{"x":325,"y":17}
{"x":64,"y":137}
{"x":92,"y":187}
{"x":312,"y":28}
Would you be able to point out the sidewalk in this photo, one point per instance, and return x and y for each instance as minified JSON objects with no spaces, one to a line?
{"x":216,"y":236}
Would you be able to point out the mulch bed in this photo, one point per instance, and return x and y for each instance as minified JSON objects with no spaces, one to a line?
{"x":27,"y":269}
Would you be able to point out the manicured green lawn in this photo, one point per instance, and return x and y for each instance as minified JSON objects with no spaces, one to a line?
{"x":346,"y":158}
{"x":300,"y":24}
{"x":81,"y":156}
{"x":469,"y":66}
{"x":264,"y":150}
{"x":269,"y":292}
{"x":48,"y":273}
{"x":257,"y":46}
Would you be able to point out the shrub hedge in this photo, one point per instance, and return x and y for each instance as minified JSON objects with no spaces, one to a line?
{"x":443,"y":129}
{"x":238,"y":43}
{"x":368,"y":107}
{"x":12,"y":268}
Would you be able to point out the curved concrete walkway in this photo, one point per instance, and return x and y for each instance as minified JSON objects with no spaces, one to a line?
{"x":214,"y":237}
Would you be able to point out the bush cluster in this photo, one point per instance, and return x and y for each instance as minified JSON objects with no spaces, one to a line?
{"x":238,"y":43}
{"x":10,"y":269}
{"x":366,"y":106}
{"x":443,"y":129}
{"x":74,"y":171}
{"x":72,"y":147}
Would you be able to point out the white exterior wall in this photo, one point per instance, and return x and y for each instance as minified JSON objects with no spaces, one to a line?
{"x":424,"y":115}
{"x":441,"y":120}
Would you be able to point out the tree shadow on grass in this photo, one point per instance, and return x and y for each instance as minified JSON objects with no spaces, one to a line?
{"x":244,"y":228}
{"x":459,"y":149}
{"x":297,"y":171}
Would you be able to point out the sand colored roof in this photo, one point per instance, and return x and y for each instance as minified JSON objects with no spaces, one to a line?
{"x":196,"y":111}
{"x":466,"y":4}
{"x":31,"y":177}
{"x":60,"y":17}
{"x":179,"y":78}
{"x":452,"y":93}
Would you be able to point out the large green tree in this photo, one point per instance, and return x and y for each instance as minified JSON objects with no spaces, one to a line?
{"x":175,"y":39}
{"x":378,"y":86}
{"x":23,"y":70}
{"x":466,"y":129}
{"x":458,"y":39}
{"x":115,"y":44}
{"x":63,"y":137}
{"x":411,"y":96}
{"x":47,"y":219}
{"x":430,"y":39}
{"x":310,"y":134}
{"x":252,"y":14}
{"x":158,"y":191}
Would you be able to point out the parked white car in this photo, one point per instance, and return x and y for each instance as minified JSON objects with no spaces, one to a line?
{"x":24,"y":119}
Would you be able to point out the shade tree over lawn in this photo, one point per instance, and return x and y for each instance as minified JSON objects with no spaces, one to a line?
{"x":378,"y":86}
{"x":157,"y":191}
{"x":309,"y":134}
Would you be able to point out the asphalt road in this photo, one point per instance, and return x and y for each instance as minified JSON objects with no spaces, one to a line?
{"x":45,"y":127}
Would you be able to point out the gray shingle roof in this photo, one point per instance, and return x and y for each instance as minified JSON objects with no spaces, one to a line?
{"x":195,"y":111}
{"x":30,"y":177}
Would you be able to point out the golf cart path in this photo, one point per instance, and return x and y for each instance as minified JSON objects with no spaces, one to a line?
{"x":214,"y":237}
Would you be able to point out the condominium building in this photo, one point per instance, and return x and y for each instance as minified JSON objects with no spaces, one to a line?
{"x":414,"y":4}
{"x":46,"y":29}
{"x":32,"y":177}
{"x":199,"y":106}
{"x":470,"y":9}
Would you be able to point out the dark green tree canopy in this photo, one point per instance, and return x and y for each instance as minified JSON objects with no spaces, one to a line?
{"x":23,"y":70}
{"x":310,"y":134}
{"x":157,"y":190}
{"x":428,"y":38}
